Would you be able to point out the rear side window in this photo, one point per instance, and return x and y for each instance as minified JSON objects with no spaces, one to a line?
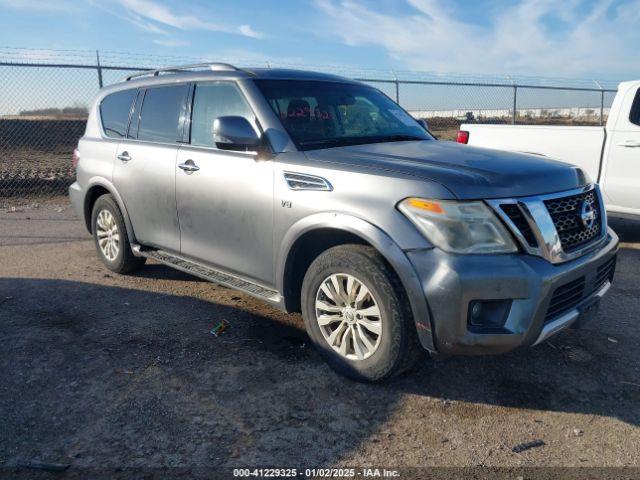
{"x":160,"y":115}
{"x":114,"y":112}
{"x":634,"y":116}
{"x":213,"y":100}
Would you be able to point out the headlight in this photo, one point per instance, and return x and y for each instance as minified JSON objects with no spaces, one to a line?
{"x":459,"y":227}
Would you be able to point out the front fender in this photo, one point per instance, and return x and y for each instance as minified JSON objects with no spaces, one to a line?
{"x":381,"y":242}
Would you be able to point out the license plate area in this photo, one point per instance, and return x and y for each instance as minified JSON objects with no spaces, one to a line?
{"x":588,"y":311}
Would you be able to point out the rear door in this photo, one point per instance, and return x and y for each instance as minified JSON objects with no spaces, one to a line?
{"x":226,"y":206}
{"x":622,"y":170}
{"x":144,"y":171}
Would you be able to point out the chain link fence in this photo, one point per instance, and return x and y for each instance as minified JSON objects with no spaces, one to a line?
{"x":47,"y":93}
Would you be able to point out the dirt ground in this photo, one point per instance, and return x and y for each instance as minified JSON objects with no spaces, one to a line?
{"x":100,"y":371}
{"x":16,"y":161}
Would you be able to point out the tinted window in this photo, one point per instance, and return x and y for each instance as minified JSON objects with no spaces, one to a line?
{"x":634,"y":116}
{"x":328,"y":114}
{"x":213,"y":100}
{"x":160,"y":116}
{"x":114,"y":112}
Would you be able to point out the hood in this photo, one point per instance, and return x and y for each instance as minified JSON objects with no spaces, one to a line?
{"x":468,"y":172}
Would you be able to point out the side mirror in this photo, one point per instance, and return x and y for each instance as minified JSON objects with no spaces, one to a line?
{"x":234,"y":133}
{"x":424,"y":124}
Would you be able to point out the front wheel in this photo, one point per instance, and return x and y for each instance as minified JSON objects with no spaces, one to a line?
{"x":355,"y":311}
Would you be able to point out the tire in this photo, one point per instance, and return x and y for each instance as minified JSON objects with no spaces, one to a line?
{"x":108,"y":227}
{"x":394,"y":350}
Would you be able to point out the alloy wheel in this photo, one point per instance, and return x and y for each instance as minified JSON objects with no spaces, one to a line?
{"x":108,"y":235}
{"x":348,"y":316}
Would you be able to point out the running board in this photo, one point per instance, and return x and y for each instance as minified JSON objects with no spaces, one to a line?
{"x":210,"y":274}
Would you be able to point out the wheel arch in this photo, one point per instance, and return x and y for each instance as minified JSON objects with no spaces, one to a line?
{"x":312,"y":235}
{"x":97,"y":188}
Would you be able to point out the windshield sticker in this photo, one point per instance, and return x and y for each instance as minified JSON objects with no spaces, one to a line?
{"x":323,"y":114}
{"x":403,"y":117}
{"x":306,"y":112}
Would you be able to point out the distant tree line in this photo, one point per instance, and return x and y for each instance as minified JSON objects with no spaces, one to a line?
{"x":76,"y":111}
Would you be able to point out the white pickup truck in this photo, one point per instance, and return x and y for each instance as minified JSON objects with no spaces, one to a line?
{"x":610,"y":155}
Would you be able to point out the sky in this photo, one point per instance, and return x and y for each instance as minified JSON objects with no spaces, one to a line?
{"x":554,"y":38}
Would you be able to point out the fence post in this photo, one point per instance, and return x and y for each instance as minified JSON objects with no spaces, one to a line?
{"x":397,"y":84}
{"x":601,"y":101}
{"x":515,"y":104}
{"x":99,"y":68}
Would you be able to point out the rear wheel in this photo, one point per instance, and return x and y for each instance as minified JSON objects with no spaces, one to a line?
{"x":110,"y":237}
{"x":355,"y":312}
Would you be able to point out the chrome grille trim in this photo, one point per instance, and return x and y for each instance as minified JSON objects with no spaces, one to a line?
{"x":565,"y":214}
{"x":304,"y":181}
{"x":540,"y":221}
{"x":517,"y":217}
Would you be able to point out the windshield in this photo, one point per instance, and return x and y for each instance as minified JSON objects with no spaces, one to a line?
{"x":319,"y":114}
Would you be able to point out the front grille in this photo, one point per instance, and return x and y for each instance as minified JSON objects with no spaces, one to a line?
{"x":566,"y":215}
{"x":569,"y":295}
{"x":517,"y":217}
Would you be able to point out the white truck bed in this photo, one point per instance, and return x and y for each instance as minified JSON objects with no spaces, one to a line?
{"x":581,"y":146}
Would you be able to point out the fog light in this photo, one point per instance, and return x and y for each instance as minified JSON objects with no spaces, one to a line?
{"x":476,"y":310}
{"x":488,"y":316}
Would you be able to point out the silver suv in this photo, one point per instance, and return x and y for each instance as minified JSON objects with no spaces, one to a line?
{"x":320,"y":195}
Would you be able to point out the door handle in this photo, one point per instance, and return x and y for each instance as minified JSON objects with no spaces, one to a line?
{"x":629,"y":144}
{"x":189,"y":166}
{"x":124,"y":156}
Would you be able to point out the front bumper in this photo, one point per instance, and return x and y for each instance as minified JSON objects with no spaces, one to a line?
{"x":451,"y":282}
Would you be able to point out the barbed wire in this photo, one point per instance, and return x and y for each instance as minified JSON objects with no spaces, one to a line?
{"x":137,"y":60}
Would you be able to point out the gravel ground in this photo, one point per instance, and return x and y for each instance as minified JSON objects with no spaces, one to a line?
{"x":105,"y":371}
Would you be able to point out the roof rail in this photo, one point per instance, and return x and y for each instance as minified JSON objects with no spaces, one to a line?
{"x":216,"y":67}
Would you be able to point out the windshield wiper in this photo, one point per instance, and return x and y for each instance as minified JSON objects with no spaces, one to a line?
{"x":382,"y":139}
{"x":334,"y":142}
{"x":402,"y":138}
{"x":347,"y":141}
{"x":322,"y":141}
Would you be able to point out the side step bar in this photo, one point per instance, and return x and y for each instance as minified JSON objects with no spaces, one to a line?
{"x":210,"y":274}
